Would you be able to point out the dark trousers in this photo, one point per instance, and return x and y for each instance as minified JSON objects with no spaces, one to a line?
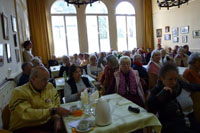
{"x":44,"y":128}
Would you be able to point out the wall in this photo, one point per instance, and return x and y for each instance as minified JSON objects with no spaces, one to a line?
{"x":111,"y":4}
{"x":18,"y":9}
{"x":10,"y":7}
{"x":186,"y":15}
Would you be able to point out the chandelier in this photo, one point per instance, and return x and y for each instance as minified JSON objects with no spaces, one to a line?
{"x":81,"y":2}
{"x":171,"y":3}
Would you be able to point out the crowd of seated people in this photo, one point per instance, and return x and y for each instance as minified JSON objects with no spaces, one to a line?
{"x":148,"y":79}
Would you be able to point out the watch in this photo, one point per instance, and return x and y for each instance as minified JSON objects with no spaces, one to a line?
{"x":53,"y":111}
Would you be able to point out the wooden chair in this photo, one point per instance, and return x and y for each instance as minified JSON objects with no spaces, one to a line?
{"x":6,"y":117}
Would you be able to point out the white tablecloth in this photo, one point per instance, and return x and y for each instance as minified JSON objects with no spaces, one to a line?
{"x":122,"y":119}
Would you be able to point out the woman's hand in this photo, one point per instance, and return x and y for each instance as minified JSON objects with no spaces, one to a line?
{"x":168,"y":89}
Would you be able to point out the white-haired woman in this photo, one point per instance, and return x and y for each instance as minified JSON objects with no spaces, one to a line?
{"x":181,"y":58}
{"x":65,"y":66}
{"x":36,"y":61}
{"x":128,"y":82}
{"x":93,"y":69}
{"x":153,"y":68}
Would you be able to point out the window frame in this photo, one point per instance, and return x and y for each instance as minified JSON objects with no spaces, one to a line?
{"x":126,"y":17}
{"x":64,"y":15}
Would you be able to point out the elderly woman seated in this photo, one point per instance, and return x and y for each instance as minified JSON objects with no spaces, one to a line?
{"x":181,"y":58}
{"x":36,"y":62}
{"x":76,"y":84}
{"x":153,"y":68}
{"x":128,"y":82}
{"x":108,"y":79}
{"x":65,"y":66}
{"x":192,"y":74}
{"x":170,"y":98}
{"x":93,"y":69}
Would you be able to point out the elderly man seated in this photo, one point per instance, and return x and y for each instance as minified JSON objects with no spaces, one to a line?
{"x":34,"y":107}
{"x":26,"y":68}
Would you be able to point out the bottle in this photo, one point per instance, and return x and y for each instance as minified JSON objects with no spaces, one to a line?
{"x":65,"y":75}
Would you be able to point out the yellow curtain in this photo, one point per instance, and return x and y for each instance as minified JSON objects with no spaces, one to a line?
{"x":39,"y":29}
{"x":148,"y":25}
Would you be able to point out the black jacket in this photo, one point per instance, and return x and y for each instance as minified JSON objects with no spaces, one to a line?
{"x":72,"y":84}
{"x":166,"y":105}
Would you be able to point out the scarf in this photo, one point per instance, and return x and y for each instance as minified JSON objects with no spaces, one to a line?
{"x":123,"y":85}
{"x":137,"y":63}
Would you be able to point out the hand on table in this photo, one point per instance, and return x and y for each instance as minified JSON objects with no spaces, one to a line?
{"x":62,"y":111}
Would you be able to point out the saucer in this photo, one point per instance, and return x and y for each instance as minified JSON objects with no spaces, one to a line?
{"x":83,"y":131}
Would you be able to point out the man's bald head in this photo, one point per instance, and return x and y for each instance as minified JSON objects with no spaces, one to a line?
{"x":39,"y":77}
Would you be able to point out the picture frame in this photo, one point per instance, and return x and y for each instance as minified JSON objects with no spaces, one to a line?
{"x":17,"y":55}
{"x":5,"y":28}
{"x":167,"y":29}
{"x":167,"y":36}
{"x":175,"y":31}
{"x":175,"y":39}
{"x":159,"y":32}
{"x":184,"y":39}
{"x":14,"y":23}
{"x":1,"y":55}
{"x":196,"y":34}
{"x":15,"y":40}
{"x":8,"y":52}
{"x":184,"y":29}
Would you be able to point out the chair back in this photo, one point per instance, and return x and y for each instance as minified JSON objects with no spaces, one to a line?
{"x":6,"y":117}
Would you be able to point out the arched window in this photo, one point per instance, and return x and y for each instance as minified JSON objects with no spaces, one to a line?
{"x":97,"y":28}
{"x":126,"y":27}
{"x":65,"y":29}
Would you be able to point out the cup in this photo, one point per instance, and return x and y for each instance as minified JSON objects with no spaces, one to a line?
{"x":86,"y":109}
{"x":83,"y":125}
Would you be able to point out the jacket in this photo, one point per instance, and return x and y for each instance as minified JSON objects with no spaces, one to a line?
{"x":29,"y":107}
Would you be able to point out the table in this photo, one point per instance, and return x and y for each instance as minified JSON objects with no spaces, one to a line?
{"x":122,"y":119}
{"x":55,"y":71}
{"x":181,"y":70}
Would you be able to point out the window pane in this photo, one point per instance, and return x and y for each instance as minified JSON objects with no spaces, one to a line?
{"x":104,"y":34}
{"x":121,"y":33}
{"x":61,"y":7}
{"x":92,"y":33}
{"x":59,"y":36}
{"x":125,"y":8}
{"x":96,"y":8}
{"x":131,"y":28}
{"x":72,"y":35}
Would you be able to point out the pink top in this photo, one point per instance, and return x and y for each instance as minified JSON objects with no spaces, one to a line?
{"x":153,"y":68}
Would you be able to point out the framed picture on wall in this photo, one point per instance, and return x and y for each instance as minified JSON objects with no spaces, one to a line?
{"x":167,"y":29}
{"x":14,"y":23}
{"x":159,"y":32}
{"x":167,"y":36}
{"x":4,"y":19}
{"x":175,"y":39}
{"x":185,"y":30}
{"x":184,"y":39}
{"x":15,"y":40}
{"x":175,"y":31}
{"x":1,"y":55}
{"x":17,"y":55}
{"x":8,"y":53}
{"x":196,"y":34}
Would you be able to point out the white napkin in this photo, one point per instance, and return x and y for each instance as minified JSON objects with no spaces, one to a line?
{"x":94,"y":96}
{"x":84,"y":96}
